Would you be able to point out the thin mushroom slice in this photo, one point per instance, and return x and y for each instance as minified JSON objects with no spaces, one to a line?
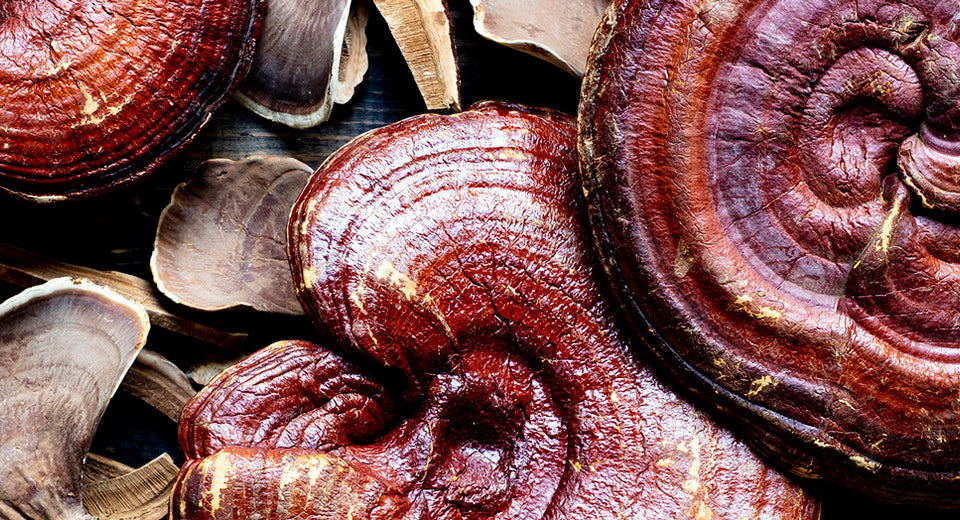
{"x":452,"y":253}
{"x":295,"y":69}
{"x":137,"y":494}
{"x":423,"y":30}
{"x":353,"y":57}
{"x":774,"y":190}
{"x":559,"y":31}
{"x":99,"y":94}
{"x":221,"y":241}
{"x":65,"y":346}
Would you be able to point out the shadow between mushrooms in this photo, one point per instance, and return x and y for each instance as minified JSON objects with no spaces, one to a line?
{"x":64,"y":348}
{"x":221,"y":242}
{"x":451,"y":252}
{"x":98,"y":94}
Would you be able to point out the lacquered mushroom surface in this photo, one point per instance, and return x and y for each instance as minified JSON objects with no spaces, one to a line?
{"x":773,"y":188}
{"x":449,"y":256}
{"x":98,"y":94}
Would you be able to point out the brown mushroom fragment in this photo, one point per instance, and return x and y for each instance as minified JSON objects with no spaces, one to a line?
{"x":158,"y":382}
{"x":98,"y":94}
{"x":137,"y":494}
{"x":773,"y":188}
{"x":295,"y":70}
{"x":424,"y":32}
{"x":353,"y":56}
{"x":559,"y":31}
{"x":26,"y":269}
{"x":450,"y":251}
{"x":65,"y":346}
{"x":221,"y":241}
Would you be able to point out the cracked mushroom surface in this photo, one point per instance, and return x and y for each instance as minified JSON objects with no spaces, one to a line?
{"x":64,"y":348}
{"x":451,"y":253}
{"x":777,"y":213}
{"x":97,"y":94}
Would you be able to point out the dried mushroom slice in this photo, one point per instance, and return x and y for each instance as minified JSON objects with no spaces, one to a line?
{"x":221,"y":242}
{"x":295,"y":70}
{"x":451,"y":251}
{"x":559,"y":31}
{"x":772,"y":188}
{"x":423,"y":30}
{"x":64,"y":348}
{"x":353,"y":57}
{"x":98,"y":94}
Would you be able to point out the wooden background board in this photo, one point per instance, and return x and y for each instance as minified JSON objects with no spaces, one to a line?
{"x":116,"y":232}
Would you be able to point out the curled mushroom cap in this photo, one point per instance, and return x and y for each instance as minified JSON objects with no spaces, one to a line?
{"x":294,"y":76}
{"x":65,"y":346}
{"x":98,"y":94}
{"x":221,"y":242}
{"x":778,"y":216}
{"x":451,"y":251}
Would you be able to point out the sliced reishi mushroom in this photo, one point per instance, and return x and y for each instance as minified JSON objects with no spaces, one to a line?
{"x":777,"y":213}
{"x":99,"y":94}
{"x":295,"y":70}
{"x":136,"y":494}
{"x":353,"y":57}
{"x":423,"y":30}
{"x":65,"y":346}
{"x":451,"y":251}
{"x":26,"y":269}
{"x":221,"y":242}
{"x":559,"y":31}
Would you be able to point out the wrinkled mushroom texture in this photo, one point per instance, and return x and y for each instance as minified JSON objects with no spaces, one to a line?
{"x":221,"y":242}
{"x":773,"y":186}
{"x":64,"y":348}
{"x":559,"y":31}
{"x":97,"y":94}
{"x":450,"y":251}
{"x":295,"y":68}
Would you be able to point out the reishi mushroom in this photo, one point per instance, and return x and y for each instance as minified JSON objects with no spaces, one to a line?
{"x":98,"y":95}
{"x":773,"y":188}
{"x":451,"y":253}
{"x":295,"y":73}
{"x":64,"y":348}
{"x":559,"y":31}
{"x":221,"y":242}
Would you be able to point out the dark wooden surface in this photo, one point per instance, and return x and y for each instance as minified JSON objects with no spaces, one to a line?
{"x":116,"y":232}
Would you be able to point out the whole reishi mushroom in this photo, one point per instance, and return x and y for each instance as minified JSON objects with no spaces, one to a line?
{"x":773,"y":188}
{"x":450,"y":250}
{"x":98,"y":95}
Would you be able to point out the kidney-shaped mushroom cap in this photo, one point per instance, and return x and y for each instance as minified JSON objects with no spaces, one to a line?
{"x":452,"y":251}
{"x":64,"y":348}
{"x":774,"y":188}
{"x":97,"y":94}
{"x":221,"y":242}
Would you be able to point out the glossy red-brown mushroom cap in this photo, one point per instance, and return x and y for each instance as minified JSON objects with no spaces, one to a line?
{"x":97,"y":95}
{"x":774,"y":189}
{"x":451,"y":251}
